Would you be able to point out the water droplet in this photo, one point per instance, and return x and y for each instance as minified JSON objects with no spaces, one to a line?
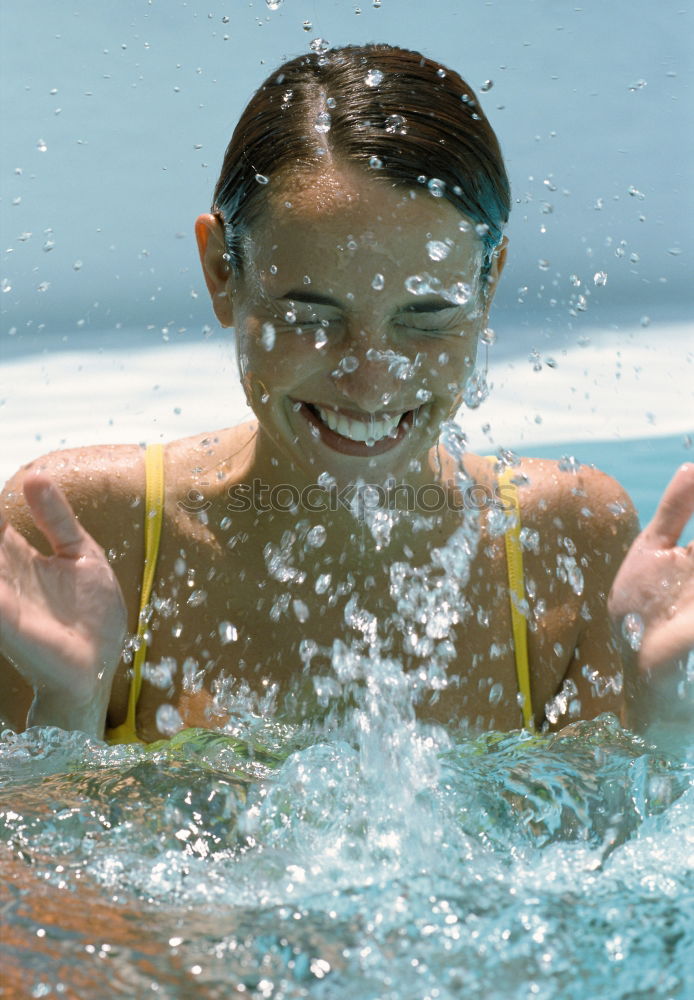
{"x":496,"y":693}
{"x":320,"y":338}
{"x":319,"y":45}
{"x":317,"y":534}
{"x":600,"y":278}
{"x":373,"y":78}
{"x":568,"y":463}
{"x":267,"y":336}
{"x":262,"y":179}
{"x":378,"y":282}
{"x":476,"y":390}
{"x":300,"y":610}
{"x":487,"y":85}
{"x":395,"y":124}
{"x":375,"y":163}
{"x":437,"y":187}
{"x":635,"y":193}
{"x":322,"y":123}
{"x":5,"y":285}
{"x":196,"y":598}
{"x":41,"y":146}
{"x":459,"y":293}
{"x":168,"y":720}
{"x":544,"y":265}
{"x":423,"y":395}
{"x":349,"y":363}
{"x":290,"y":315}
{"x":422,"y":284}
{"x":326,"y":481}
{"x":322,"y":583}
{"x":637,"y":85}
{"x":43,"y":286}
{"x":645,"y":321}
{"x":273,"y":4}
{"x":632,"y":629}
{"x":307,"y":25}
{"x":488,"y":336}
{"x":437,"y":250}
{"x":227,"y":633}
{"x":77,"y":266}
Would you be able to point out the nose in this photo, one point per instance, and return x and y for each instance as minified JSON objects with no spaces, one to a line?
{"x":371,"y":375}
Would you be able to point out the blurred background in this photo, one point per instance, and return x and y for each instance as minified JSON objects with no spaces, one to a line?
{"x":115,"y":118}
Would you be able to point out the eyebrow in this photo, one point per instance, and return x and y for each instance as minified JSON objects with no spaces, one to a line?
{"x":426,"y":304}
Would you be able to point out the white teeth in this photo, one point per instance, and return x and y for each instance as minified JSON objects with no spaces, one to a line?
{"x":360,"y":430}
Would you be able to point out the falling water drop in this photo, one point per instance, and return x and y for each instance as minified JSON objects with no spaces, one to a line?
{"x":267,"y":336}
{"x":476,"y":390}
{"x":378,"y":282}
{"x":632,"y":629}
{"x":373,"y":78}
{"x":437,"y":250}
{"x":395,"y":124}
{"x":168,"y":720}
{"x":322,"y":123}
{"x":317,"y":534}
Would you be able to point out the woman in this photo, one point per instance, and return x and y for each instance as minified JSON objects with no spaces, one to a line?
{"x":355,"y":244}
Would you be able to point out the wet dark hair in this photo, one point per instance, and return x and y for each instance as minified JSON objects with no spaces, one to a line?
{"x":403,"y":118}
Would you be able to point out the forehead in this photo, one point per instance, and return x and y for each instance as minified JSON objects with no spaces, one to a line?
{"x":338,"y":218}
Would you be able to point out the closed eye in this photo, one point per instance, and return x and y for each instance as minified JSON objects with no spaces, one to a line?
{"x":438,"y":320}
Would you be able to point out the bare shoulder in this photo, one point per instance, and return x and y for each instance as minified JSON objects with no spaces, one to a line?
{"x":563,"y":501}
{"x":203,"y":460}
{"x":582,"y":504}
{"x":100,"y":482}
{"x":581,"y":494}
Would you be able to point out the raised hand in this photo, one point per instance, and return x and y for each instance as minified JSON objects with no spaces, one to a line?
{"x":62,"y":617}
{"x":655,"y":583}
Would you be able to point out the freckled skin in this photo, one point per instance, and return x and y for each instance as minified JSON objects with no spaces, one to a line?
{"x":339,"y":230}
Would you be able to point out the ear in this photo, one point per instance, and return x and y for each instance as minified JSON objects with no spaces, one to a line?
{"x":210,"y":236}
{"x":498,"y":264}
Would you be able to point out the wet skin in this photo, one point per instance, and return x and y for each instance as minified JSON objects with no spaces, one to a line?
{"x":340,"y":231}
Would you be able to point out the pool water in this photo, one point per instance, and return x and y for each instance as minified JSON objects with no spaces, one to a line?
{"x":374,"y":859}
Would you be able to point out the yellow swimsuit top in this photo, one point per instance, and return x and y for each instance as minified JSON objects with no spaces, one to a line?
{"x":154,"y":515}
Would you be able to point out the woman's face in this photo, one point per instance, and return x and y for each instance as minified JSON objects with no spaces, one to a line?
{"x":357,"y":319}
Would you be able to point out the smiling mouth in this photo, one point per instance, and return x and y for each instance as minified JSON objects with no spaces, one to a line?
{"x":359,"y":436}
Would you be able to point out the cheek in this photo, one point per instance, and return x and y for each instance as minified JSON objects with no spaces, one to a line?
{"x":280,"y":357}
{"x":448,"y":365}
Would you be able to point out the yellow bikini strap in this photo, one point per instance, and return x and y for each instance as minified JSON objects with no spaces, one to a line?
{"x":154,"y":515}
{"x":514,"y":562}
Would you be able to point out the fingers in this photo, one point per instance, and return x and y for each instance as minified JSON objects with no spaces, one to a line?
{"x":55,"y":517}
{"x":674,"y":510}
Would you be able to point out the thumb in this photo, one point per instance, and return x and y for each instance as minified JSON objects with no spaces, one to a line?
{"x":55,"y":517}
{"x":674,"y":510}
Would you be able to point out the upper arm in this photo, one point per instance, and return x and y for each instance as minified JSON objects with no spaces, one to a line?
{"x":604,"y":524}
